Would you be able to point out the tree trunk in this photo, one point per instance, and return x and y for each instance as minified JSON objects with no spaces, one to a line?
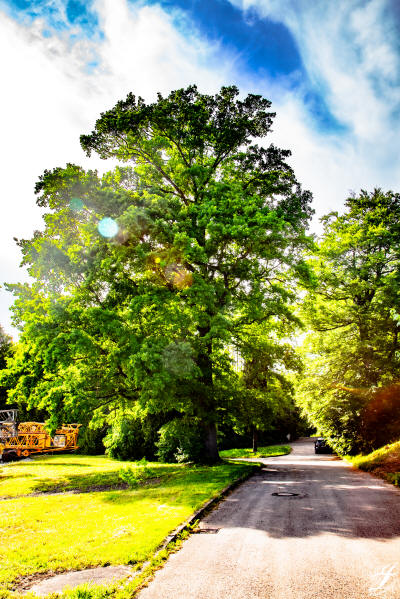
{"x":255,"y":439}
{"x":210,"y":443}
{"x":206,"y":406}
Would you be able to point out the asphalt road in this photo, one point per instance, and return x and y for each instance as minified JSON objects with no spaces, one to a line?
{"x":339,"y":537}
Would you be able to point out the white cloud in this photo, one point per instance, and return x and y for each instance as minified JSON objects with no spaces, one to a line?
{"x":350,"y":53}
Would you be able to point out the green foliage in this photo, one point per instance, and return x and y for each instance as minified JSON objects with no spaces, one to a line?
{"x":352,"y":354}
{"x":132,"y":434}
{"x":6,"y":350}
{"x":91,"y":440}
{"x":210,"y":239}
{"x":180,"y":441}
{"x":394,"y":478}
{"x":137,"y":474}
{"x":265,"y":394}
{"x":125,"y":440}
{"x":5,"y":347}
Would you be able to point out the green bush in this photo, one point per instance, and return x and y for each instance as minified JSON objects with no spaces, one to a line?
{"x":90,"y":440}
{"x":134,"y":475}
{"x":125,"y":439}
{"x":394,"y":478}
{"x":133,"y":435}
{"x":180,"y":441}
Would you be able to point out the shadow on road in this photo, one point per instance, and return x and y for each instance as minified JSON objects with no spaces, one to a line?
{"x":328,"y":497}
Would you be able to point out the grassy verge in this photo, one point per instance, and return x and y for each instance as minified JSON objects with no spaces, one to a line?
{"x":54,"y":473}
{"x":263,"y":452}
{"x":383,"y":462}
{"x":126,"y":590}
{"x":75,"y":531}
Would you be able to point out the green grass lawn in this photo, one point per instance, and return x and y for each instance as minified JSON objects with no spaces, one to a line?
{"x":75,"y":531}
{"x":52,"y":473}
{"x":263,"y":452}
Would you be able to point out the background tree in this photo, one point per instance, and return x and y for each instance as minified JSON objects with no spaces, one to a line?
{"x":266,"y":391}
{"x":5,"y":347}
{"x":353,"y":350}
{"x":146,"y":274}
{"x":5,"y":352}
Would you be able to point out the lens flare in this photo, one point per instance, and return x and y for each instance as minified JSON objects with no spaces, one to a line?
{"x":76,"y":204}
{"x":107,"y":227}
{"x":178,"y":275}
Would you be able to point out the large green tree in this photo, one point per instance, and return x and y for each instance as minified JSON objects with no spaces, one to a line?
{"x":145,"y":275}
{"x":354,"y":345}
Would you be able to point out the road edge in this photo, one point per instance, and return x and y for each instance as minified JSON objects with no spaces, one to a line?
{"x":207,"y":507}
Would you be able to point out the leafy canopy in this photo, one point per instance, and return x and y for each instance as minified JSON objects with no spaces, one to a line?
{"x":203,"y":234}
{"x":353,"y":349}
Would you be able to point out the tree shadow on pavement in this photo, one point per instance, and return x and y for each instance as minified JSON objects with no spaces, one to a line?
{"x":328,"y":497}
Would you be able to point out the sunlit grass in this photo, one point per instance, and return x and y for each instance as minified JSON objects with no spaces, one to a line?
{"x":65,"y":473}
{"x":263,"y":452}
{"x":385,"y":462}
{"x":76,"y":531}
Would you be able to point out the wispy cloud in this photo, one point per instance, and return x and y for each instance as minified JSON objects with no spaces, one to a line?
{"x":350,"y":53}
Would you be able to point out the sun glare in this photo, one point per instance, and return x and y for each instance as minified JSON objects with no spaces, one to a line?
{"x":107,"y":227}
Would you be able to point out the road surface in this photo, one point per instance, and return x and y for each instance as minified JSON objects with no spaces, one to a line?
{"x":338,"y":537}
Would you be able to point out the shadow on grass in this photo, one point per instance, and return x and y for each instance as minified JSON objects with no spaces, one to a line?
{"x":96,"y":481}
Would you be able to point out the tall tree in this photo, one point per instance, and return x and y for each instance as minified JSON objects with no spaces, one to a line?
{"x":147,"y":273}
{"x":354,"y":345}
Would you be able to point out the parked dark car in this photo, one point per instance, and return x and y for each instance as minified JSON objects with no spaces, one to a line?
{"x":321,"y":446}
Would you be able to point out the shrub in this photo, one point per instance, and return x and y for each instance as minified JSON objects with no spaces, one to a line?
{"x":90,"y":440}
{"x":134,"y":475}
{"x":125,"y":440}
{"x":180,"y":441}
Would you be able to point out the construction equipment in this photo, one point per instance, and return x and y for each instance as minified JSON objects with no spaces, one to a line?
{"x":24,"y":438}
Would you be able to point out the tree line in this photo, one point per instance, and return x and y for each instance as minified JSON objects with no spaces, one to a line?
{"x":148,"y":279}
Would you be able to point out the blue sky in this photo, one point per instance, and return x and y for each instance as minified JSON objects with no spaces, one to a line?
{"x":263,"y":47}
{"x":331,"y":70}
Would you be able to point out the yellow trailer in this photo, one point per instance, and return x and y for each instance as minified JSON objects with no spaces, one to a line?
{"x":24,"y":438}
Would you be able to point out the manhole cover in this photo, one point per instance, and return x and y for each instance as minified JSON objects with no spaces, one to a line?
{"x":285,"y":494}
{"x":209,"y":531}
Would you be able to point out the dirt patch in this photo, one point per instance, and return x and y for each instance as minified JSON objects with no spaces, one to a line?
{"x":92,"y":489}
{"x":25,"y":583}
{"x":60,"y":491}
{"x":51,"y":582}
